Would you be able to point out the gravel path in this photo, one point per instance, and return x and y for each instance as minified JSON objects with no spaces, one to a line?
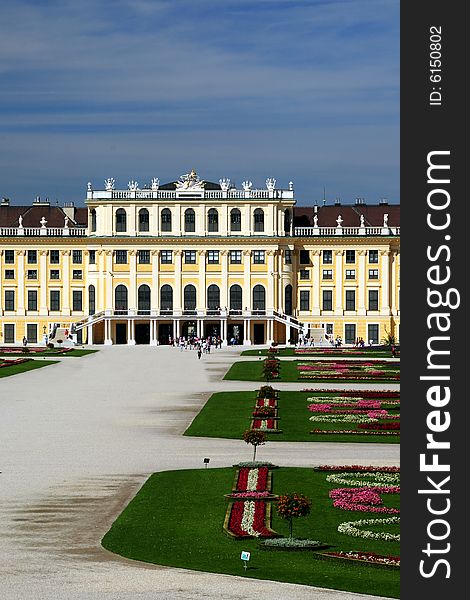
{"x":80,"y":437}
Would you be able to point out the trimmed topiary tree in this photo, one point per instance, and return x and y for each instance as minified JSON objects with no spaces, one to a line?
{"x":292,"y":506}
{"x":255,"y":438}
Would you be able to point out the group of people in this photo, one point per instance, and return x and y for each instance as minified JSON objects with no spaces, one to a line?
{"x":201,"y":345}
{"x":360,"y":343}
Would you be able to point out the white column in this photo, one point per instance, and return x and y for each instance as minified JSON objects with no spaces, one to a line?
{"x":385,"y":277}
{"x":201,"y":293}
{"x":393,"y":268}
{"x":177,"y":328}
{"x":361,"y":282}
{"x":316,"y":282}
{"x":107,"y":332}
{"x":174,"y":329}
{"x":246,"y":332}
{"x":65,"y":282}
{"x":100,"y":300}
{"x":269,"y":331}
{"x":271,"y":282}
{"x":224,"y":286}
{"x":133,"y":279}
{"x":155,"y":291}
{"x":247,"y":229}
{"x":339,"y":302}
{"x":129,"y":335}
{"x":247,"y":296}
{"x":89,"y":335}
{"x":132,"y":340}
{"x":43,"y":282}
{"x":109,"y":279}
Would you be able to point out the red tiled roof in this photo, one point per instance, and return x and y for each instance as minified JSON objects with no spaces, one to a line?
{"x":32,"y":216}
{"x":351,"y":215}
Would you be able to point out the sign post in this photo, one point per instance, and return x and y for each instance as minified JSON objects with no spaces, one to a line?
{"x":245,"y":556}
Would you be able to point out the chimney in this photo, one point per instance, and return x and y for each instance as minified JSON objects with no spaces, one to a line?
{"x":5,"y":202}
{"x":69,"y":210}
{"x":338,"y":202}
{"x":359,"y":201}
{"x":383,"y":202}
{"x":38,"y":201}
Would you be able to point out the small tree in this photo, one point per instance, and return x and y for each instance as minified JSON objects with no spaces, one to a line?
{"x":255,"y":438}
{"x":291,"y":506}
{"x":388,"y":339}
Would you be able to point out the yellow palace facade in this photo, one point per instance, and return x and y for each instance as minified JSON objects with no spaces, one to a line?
{"x":196,"y":258}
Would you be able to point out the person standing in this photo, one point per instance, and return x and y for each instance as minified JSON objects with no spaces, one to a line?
{"x":199,"y":352}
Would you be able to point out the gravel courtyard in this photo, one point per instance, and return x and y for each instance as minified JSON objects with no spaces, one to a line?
{"x":80,"y":437}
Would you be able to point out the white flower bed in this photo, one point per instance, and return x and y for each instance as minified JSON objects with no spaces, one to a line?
{"x":332,"y":418}
{"x":353,"y":528}
{"x":368,"y":478}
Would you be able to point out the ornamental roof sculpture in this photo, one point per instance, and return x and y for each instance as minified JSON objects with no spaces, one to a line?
{"x":190,"y":181}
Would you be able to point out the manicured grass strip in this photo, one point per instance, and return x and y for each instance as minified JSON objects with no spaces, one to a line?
{"x":318,"y":353}
{"x":26,"y":366}
{"x":253,"y":371}
{"x":75,"y":352}
{"x":176,"y":519}
{"x":228,"y":415}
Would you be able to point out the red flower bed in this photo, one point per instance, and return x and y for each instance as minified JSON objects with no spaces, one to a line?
{"x":10,"y":363}
{"x":354,"y":468}
{"x":242,"y":480}
{"x":258,"y":524}
{"x":258,"y":424}
{"x":379,"y":426}
{"x":272,"y":402}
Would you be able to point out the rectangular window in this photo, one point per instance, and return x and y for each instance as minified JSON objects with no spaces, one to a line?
{"x":329,"y":328}
{"x":54,"y":274}
{"x":212,"y":257}
{"x":166,"y":257}
{"x":92,"y":257}
{"x":32,"y":333}
{"x":350,"y":257}
{"x":304,"y":274}
{"x":350,"y":333}
{"x":288,"y":256}
{"x":77,"y":274}
{"x":54,"y":300}
{"x":9,"y":333}
{"x":32,"y":274}
{"x":32,"y":300}
{"x":54,"y":257}
{"x":10,"y":300}
{"x":373,"y":273}
{"x":327,"y":274}
{"x":9,"y":274}
{"x":373,"y":333}
{"x":304,"y":256}
{"x":121,"y":257}
{"x":235,"y":257}
{"x":327,"y":257}
{"x":9,"y":257}
{"x":350,"y":299}
{"x":77,"y":257}
{"x":327,"y":300}
{"x":190,"y":257}
{"x":350,"y":273}
{"x":32,"y":257}
{"x":258,"y":257}
{"x":373,"y":257}
{"x":373,"y":299}
{"x":143,"y":257}
{"x":304,"y":300}
{"x":77,"y":303}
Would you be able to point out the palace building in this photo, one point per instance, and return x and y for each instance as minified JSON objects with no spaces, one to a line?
{"x":191,"y":257}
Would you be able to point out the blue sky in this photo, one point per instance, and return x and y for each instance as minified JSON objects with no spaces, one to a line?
{"x":297,"y":90}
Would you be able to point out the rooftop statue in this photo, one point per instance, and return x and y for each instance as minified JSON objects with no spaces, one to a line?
{"x":190,"y":181}
{"x":385,"y":220}
{"x":362,"y":221}
{"x":155,"y":183}
{"x":247,"y":185}
{"x":133,"y":185}
{"x":43,"y":222}
{"x":109,"y":184}
{"x":339,"y":220}
{"x":20,"y":221}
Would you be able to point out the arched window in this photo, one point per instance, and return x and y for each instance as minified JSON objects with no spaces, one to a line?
{"x":190,"y":297}
{"x":259,"y":298}
{"x":212,"y":220}
{"x":144,"y":220}
{"x":91,"y":300}
{"x":121,"y":220}
{"x":235,"y":220}
{"x":93,"y":220}
{"x":143,"y":299}
{"x":258,"y":219}
{"x":166,"y":297}
{"x":120,"y":299}
{"x":235,"y":297}
{"x":166,"y":219}
{"x":213,"y":297}
{"x":189,"y":220}
{"x":287,"y":221}
{"x":288,"y":300}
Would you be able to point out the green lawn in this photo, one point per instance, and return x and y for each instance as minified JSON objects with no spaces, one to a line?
{"x":177,"y":517}
{"x":253,"y":371}
{"x":319,"y":353}
{"x":228,"y":415}
{"x":74,"y":352}
{"x":26,"y":366}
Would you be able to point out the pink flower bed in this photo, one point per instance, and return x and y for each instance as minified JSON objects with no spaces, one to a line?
{"x":355,"y":468}
{"x":366,"y":499}
{"x":354,"y":431}
{"x":250,"y":495}
{"x":380,"y":426}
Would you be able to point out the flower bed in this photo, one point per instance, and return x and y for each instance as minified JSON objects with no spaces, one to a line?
{"x":364,"y":499}
{"x":368,"y":557}
{"x":342,"y":369}
{"x":357,"y":468}
{"x":354,"y":529}
{"x":352,"y":431}
{"x":380,"y":394}
{"x":249,"y":513}
{"x":10,"y":363}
